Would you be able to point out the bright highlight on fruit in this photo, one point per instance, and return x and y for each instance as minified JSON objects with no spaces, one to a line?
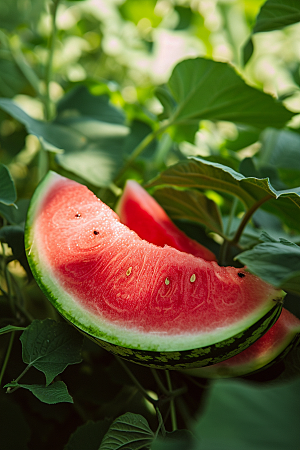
{"x":153,"y":305}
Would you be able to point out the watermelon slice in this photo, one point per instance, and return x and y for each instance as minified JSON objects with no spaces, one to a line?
{"x":152,"y":305}
{"x":142,"y":214}
{"x":270,"y":348}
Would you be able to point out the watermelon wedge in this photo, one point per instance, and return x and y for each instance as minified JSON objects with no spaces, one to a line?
{"x":155,"y":306}
{"x":270,"y":348}
{"x":142,"y":214}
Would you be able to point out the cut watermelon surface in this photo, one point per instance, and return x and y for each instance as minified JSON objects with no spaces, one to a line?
{"x":273,"y":346}
{"x":142,"y":214}
{"x":152,"y":305}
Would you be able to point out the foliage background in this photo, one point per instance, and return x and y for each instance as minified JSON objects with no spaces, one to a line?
{"x":55,"y":72}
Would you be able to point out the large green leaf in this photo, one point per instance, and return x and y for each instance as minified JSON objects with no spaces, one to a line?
{"x":201,"y":174}
{"x":277,"y":14}
{"x":130,"y":431}
{"x":17,"y":12}
{"x":50,"y":346}
{"x":190,"y":205}
{"x":206,"y":89}
{"x":87,"y":136}
{"x":8,"y":193}
{"x":242,"y":416}
{"x":278,"y":263}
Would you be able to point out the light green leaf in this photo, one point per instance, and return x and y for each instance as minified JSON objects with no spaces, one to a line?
{"x":277,"y":14}
{"x":8,"y":193}
{"x":190,"y":205}
{"x":243,"y":416}
{"x":10,"y":328}
{"x":87,"y":136}
{"x":201,"y":174}
{"x":278,"y":263}
{"x":51,"y":346}
{"x":203,"y":89}
{"x":56,"y":392}
{"x":130,"y":431}
{"x":88,"y":436}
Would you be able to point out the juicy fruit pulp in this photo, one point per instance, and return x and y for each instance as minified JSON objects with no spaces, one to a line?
{"x":150,"y":304}
{"x":142,"y":214}
{"x":271,"y":347}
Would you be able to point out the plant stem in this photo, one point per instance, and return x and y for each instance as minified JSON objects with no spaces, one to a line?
{"x":159,"y":383}
{"x":247,"y":217}
{"x":172,"y":403}
{"x":49,"y":66}
{"x":225,"y":246}
{"x":10,"y":390}
{"x":140,"y":148}
{"x":137,"y":383}
{"x":10,"y":344}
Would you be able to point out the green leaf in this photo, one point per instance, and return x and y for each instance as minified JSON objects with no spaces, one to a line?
{"x":130,"y":431}
{"x":190,"y":205}
{"x":203,"y":89}
{"x":176,"y":440}
{"x":8,"y":193}
{"x":10,"y":328}
{"x":277,"y":14}
{"x":248,"y":50}
{"x":13,"y":235}
{"x":242,"y":416}
{"x":278,"y":263}
{"x":50,"y":347}
{"x":201,"y":174}
{"x":87,"y":136}
{"x":15,"y":216}
{"x":17,"y":12}
{"x":88,"y":436}
{"x":56,"y":392}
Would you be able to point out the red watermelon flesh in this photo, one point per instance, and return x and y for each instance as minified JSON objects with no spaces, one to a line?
{"x":267,"y":348}
{"x":113,"y":285}
{"x":141,"y":213}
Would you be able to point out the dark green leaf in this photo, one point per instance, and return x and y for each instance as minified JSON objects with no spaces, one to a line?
{"x":176,"y":440}
{"x":203,"y":89}
{"x":8,"y":193}
{"x":129,"y":431}
{"x":11,"y":78}
{"x":248,"y":51}
{"x":201,"y":174}
{"x":15,"y":216}
{"x":13,"y":235}
{"x":241,"y":416}
{"x":50,"y":346}
{"x":10,"y":328}
{"x":190,"y":205}
{"x":56,"y":392}
{"x":277,"y":14}
{"x":278,"y":263}
{"x":88,"y":436}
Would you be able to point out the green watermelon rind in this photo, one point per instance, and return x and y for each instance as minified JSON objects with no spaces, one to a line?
{"x":253,"y":366}
{"x":124,"y":339}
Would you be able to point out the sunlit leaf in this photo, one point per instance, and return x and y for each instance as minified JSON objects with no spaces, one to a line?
{"x":201,"y":174}
{"x":203,"y":89}
{"x":8,"y":193}
{"x":277,"y":14}
{"x":50,"y":346}
{"x":248,"y":416}
{"x":128,"y":431}
{"x":190,"y":205}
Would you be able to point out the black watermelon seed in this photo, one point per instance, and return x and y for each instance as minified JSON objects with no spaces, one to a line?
{"x":78,"y":215}
{"x":241,"y":274}
{"x":96,"y":232}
